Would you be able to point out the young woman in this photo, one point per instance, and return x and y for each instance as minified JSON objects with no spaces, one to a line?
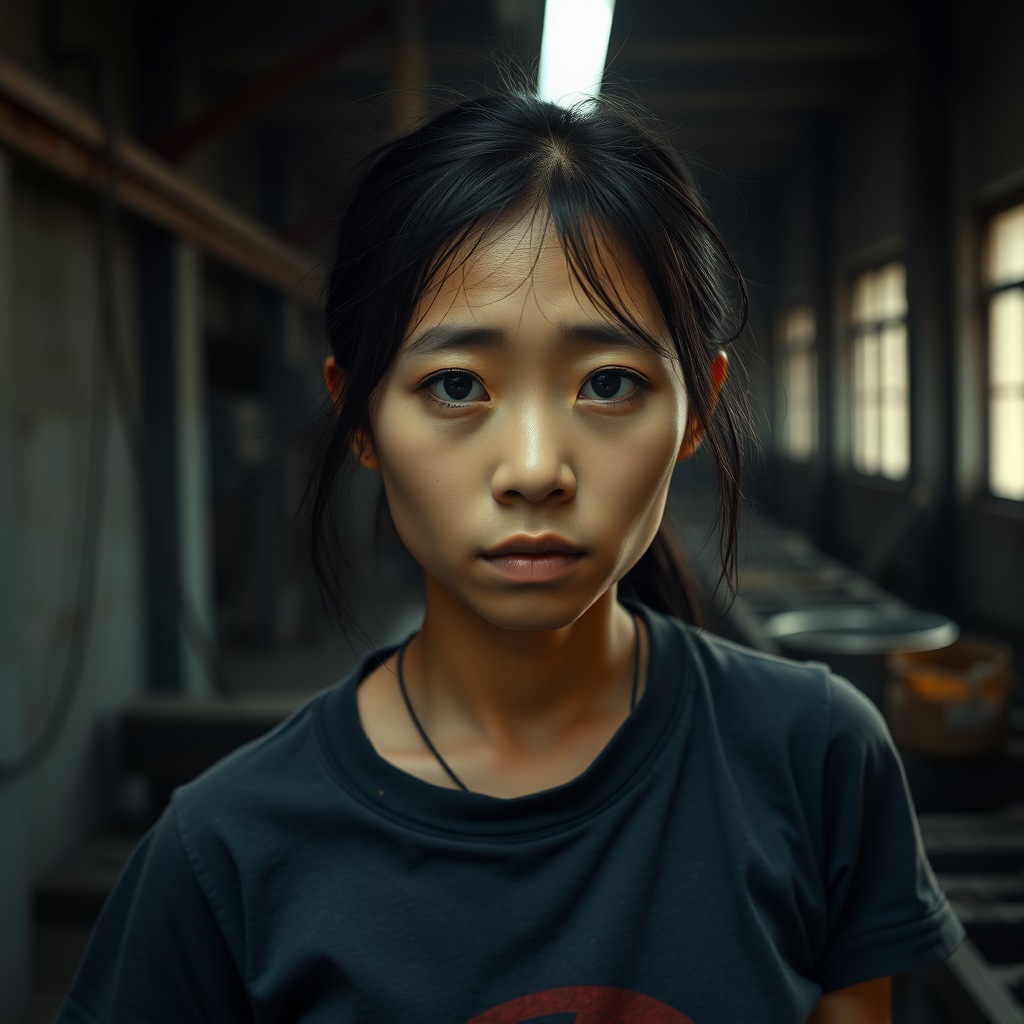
{"x":553,"y":802}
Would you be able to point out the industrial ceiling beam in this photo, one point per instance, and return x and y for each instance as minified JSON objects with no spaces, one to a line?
{"x":755,"y":50}
{"x":238,"y":68}
{"x":290,"y":73}
{"x":368,"y":63}
{"x":785,"y":125}
{"x":42,"y":125}
{"x":741,"y":101}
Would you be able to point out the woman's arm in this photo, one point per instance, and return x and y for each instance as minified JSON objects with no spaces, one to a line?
{"x":867,"y":1003}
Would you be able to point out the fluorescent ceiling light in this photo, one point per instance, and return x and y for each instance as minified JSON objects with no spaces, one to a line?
{"x":574,"y":49}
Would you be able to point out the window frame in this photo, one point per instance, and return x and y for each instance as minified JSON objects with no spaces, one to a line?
{"x":986,"y":292}
{"x":854,"y":329}
{"x":785,"y":347}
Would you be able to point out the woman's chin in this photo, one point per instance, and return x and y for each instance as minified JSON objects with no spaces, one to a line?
{"x":535,"y":608}
{"x":522,"y":606}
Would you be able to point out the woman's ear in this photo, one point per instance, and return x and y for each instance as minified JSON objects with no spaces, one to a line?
{"x":694,"y":428}
{"x":334,"y":375}
{"x":362,"y":444}
{"x":363,"y":449}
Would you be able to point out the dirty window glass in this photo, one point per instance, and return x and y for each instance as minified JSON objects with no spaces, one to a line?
{"x":880,"y":376}
{"x":798,"y":410}
{"x":1005,"y":274}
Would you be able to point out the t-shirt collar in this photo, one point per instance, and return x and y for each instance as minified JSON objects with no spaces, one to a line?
{"x":622,"y":764}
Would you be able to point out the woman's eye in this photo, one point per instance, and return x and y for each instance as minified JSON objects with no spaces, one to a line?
{"x":457,"y":387}
{"x":609,"y":384}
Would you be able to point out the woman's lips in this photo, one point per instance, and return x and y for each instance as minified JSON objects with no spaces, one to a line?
{"x":541,"y":559}
{"x":533,"y":568}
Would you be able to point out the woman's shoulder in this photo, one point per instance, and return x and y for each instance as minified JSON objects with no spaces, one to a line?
{"x":754,"y":691}
{"x":281,"y":776}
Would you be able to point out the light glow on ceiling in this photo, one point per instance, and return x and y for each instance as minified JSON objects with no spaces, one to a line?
{"x":573,"y":49}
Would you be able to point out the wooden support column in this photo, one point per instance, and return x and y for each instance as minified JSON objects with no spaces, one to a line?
{"x":269,"y":516}
{"x":157,"y":86}
{"x":194,"y":542}
{"x":15,"y":876}
{"x":158,"y":328}
{"x":827,"y":343}
{"x":930,"y":294}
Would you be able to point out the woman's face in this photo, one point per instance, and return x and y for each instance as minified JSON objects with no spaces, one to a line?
{"x":525,"y":437}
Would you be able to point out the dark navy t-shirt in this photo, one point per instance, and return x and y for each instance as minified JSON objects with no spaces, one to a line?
{"x":743,"y":843}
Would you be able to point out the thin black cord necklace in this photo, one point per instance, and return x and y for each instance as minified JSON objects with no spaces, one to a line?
{"x":430,"y":746}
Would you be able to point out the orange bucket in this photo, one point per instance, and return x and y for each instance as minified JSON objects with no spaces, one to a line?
{"x":953,"y":702}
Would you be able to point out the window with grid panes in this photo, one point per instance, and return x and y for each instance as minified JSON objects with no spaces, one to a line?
{"x":880,"y":374}
{"x":799,"y":365}
{"x":1004,"y":272}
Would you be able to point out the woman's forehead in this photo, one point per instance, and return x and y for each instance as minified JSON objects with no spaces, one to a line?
{"x":522,"y":261}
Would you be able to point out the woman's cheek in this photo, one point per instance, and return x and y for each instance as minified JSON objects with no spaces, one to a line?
{"x":427,"y":485}
{"x":627,"y":486}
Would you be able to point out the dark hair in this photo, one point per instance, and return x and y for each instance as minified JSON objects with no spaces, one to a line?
{"x":596,"y":170}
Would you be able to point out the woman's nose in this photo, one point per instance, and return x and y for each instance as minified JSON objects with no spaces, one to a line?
{"x":532,"y":464}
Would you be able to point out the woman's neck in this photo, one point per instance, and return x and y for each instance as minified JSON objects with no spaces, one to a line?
{"x":518,"y":687}
{"x":512,"y":712}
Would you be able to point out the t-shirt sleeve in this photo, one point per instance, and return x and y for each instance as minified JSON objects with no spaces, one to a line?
{"x":157,"y":953}
{"x":885,"y":911}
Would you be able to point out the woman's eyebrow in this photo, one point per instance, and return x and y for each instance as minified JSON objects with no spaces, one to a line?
{"x":442,"y":337}
{"x":605,"y":334}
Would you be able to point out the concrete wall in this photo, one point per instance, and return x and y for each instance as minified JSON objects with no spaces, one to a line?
{"x":56,"y":327}
{"x":49,"y":347}
{"x":49,"y":332}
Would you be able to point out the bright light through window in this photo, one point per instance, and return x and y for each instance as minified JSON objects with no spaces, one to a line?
{"x":799,"y":377}
{"x":573,"y":49}
{"x":1005,"y":265}
{"x":881,"y":393}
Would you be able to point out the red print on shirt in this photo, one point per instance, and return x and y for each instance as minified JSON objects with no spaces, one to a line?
{"x":592,"y":1004}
